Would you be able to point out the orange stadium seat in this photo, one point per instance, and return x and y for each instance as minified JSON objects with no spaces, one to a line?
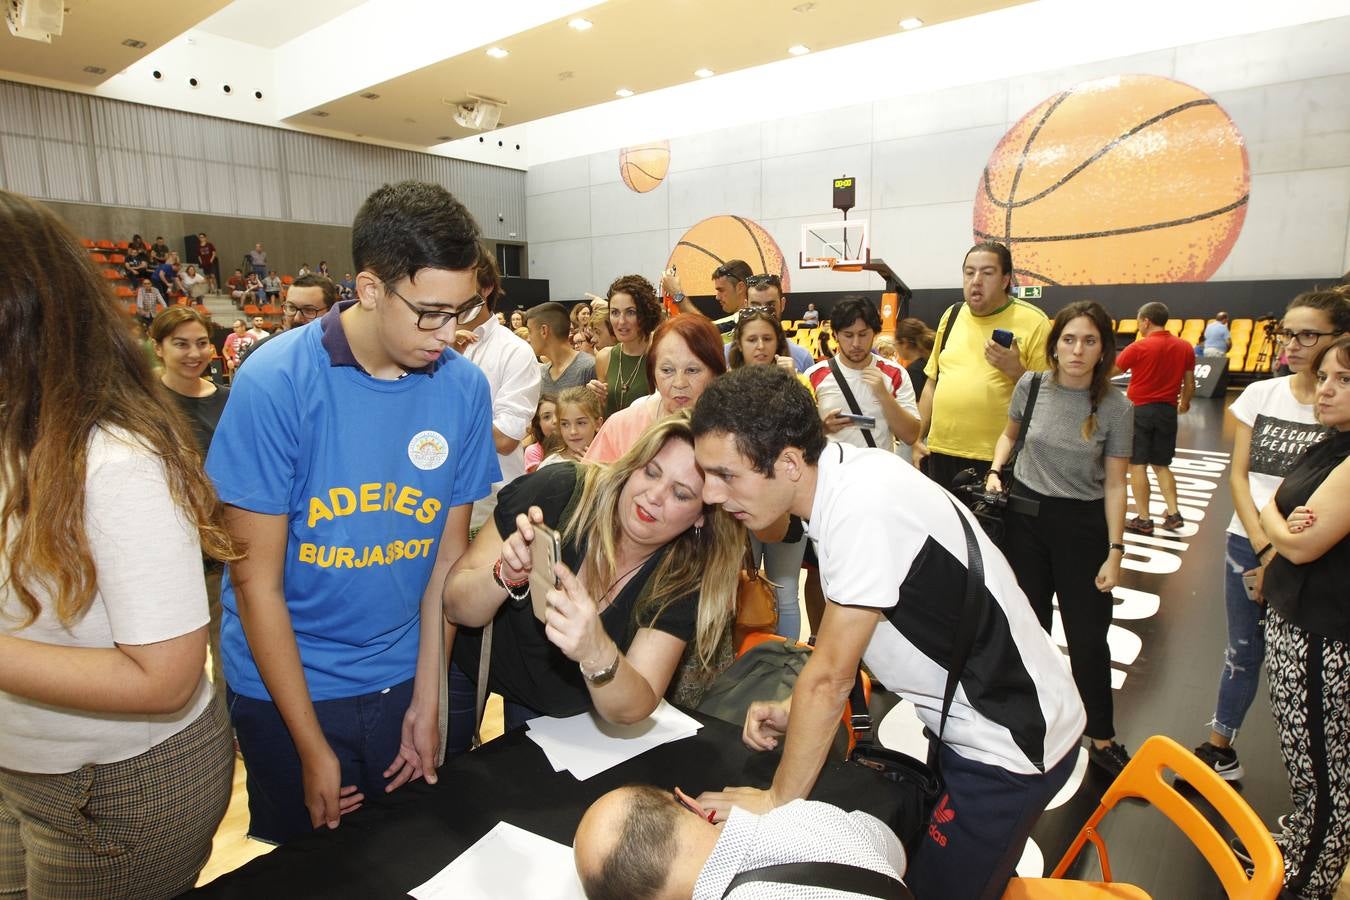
{"x":271,"y":310}
{"x":1127,"y":327}
{"x":1192,"y":330}
{"x":287,"y":280}
{"x":251,"y":309}
{"x":104,"y":245}
{"x":111,"y":274}
{"x":124,"y":292}
{"x":86,"y":243}
{"x":117,"y":259}
{"x":1173,"y":327}
{"x":98,"y":257}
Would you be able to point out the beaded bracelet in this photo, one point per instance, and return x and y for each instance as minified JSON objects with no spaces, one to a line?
{"x":510,"y":586}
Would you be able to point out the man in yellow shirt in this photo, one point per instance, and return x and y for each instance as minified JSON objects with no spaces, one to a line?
{"x":964,"y":406}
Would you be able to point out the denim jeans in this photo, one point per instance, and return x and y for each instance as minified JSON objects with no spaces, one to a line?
{"x":783,"y":566}
{"x":1246,"y":641}
{"x":463,"y":697}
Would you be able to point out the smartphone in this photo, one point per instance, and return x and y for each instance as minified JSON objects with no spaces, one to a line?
{"x":861,"y":421}
{"x":546,"y":551}
{"x":1003,"y":337}
{"x":1249,"y":584}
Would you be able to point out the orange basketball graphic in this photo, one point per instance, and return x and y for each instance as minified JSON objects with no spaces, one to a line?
{"x":644,"y":166}
{"x":1133,"y":179}
{"x":718,"y":240}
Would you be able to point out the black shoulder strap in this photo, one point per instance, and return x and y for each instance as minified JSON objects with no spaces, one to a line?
{"x":831,"y":875}
{"x":860,"y":719}
{"x":850,"y":399}
{"x":1032,"y":392}
{"x":952,"y":312}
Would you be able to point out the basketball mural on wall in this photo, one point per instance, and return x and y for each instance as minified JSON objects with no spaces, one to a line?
{"x":1132,"y":179}
{"x":644,"y":166}
{"x":718,"y":240}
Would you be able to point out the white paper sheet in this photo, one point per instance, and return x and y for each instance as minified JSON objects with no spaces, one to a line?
{"x":586,"y":745}
{"x":506,"y":862}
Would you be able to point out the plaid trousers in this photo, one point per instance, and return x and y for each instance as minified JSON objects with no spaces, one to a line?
{"x":138,"y":828}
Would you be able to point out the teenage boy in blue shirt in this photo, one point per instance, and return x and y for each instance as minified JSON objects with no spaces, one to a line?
{"x":375,"y":440}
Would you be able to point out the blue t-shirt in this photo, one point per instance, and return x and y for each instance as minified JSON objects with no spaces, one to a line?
{"x":365,"y":471}
{"x":1217,"y":336}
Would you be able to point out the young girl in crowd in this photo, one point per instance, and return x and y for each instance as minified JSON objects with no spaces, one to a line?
{"x":115,"y":760}
{"x":1308,"y":635}
{"x":1066,"y":524}
{"x":542,"y":427}
{"x":580,"y":415}
{"x":1274,"y":422}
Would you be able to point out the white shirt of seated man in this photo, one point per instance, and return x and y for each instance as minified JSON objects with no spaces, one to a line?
{"x":641,"y":835}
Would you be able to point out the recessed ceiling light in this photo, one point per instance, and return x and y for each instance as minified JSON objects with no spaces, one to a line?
{"x":132,"y":42}
{"x":581,"y":24}
{"x":95,"y":70}
{"x":704,"y":73}
{"x":911,"y":23}
{"x":443,"y":138}
{"x":799,"y":49}
{"x":320,"y":113}
{"x":498,"y":53}
{"x":370,"y":95}
{"x":623,"y":92}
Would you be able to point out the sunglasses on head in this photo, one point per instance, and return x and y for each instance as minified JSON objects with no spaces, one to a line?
{"x":756,"y":281}
{"x":726,"y":272}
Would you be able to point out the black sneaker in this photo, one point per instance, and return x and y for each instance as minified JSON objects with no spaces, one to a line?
{"x":1139,"y":525}
{"x":1173,"y":521}
{"x":1113,"y":757}
{"x":1223,"y":760}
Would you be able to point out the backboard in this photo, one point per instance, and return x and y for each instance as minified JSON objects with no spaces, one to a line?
{"x":837,"y":244}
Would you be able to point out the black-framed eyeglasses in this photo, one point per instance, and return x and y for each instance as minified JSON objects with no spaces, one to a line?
{"x":436,"y":319}
{"x":1305,"y":338}
{"x":759,"y":281}
{"x":307,"y":313}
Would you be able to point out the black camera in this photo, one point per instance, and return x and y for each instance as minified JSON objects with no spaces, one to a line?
{"x":988,"y":506}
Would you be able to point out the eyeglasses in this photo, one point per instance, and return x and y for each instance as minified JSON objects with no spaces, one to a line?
{"x":1304,"y":338}
{"x":757,"y":281}
{"x":301,"y":312}
{"x":436,"y":319}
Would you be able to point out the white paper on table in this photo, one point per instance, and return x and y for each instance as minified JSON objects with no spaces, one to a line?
{"x":507,"y":861}
{"x":586,"y":745}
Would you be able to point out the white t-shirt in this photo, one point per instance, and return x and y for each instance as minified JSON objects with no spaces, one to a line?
{"x":148,"y":591}
{"x":1282,"y":428}
{"x":1016,"y":706}
{"x":830,"y":397}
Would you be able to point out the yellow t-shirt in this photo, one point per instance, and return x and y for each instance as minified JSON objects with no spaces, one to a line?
{"x":971,"y":397}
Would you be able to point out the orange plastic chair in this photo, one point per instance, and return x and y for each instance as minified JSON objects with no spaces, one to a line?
{"x":98,"y":257}
{"x":1143,"y":779}
{"x":112,"y":274}
{"x":124,"y":292}
{"x":287,"y":279}
{"x":1192,"y":331}
{"x":1128,"y":326}
{"x":86,"y":243}
{"x":251,"y":309}
{"x":123,"y":245}
{"x":117,"y":259}
{"x":271,"y":310}
{"x":104,"y":245}
{"x":1174,"y":326}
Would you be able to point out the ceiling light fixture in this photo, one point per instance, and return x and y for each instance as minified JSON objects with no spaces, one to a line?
{"x":911,"y":23}
{"x":581,"y":24}
{"x":623,"y":92}
{"x":498,"y":53}
{"x":704,"y":73}
{"x":370,"y":95}
{"x":799,"y":50}
{"x":132,"y":42}
{"x":95,"y":70}
{"x":320,"y":114}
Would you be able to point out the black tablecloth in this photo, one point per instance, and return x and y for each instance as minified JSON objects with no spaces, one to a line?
{"x":398,"y":841}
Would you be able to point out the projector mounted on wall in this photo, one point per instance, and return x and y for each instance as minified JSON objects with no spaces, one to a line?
{"x":479,"y":114}
{"x":36,"y":20}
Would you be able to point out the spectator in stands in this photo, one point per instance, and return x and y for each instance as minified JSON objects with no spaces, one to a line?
{"x":686,"y":355}
{"x":135,"y":264}
{"x":1160,"y":366}
{"x":303,"y":270}
{"x":115,"y":760}
{"x":236,"y":285}
{"x":272,"y":288}
{"x":193,"y":283}
{"x":892,"y":577}
{"x":347,"y":286}
{"x":970,"y":379}
{"x":729,"y":286}
{"x":332,"y":666}
{"x":310,"y":297}
{"x":257,"y":260}
{"x":148,"y":301}
{"x":182,"y":342}
{"x":811,"y":316}
{"x":766,"y":292}
{"x":542,"y":427}
{"x":1274,"y":422}
{"x":759,"y":341}
{"x":621,"y":371}
{"x":166,"y":276}
{"x":236,"y":343}
{"x":854,"y":377}
{"x":512,"y":372}
{"x":159,"y":252}
{"x":323,"y":269}
{"x":259,"y":330}
{"x":563,"y":367}
{"x":643,"y":843}
{"x":1064,"y":530}
{"x":253,"y":288}
{"x":1218,"y":340}
{"x":1308,"y":636}
{"x":914,"y":343}
{"x":137,"y":245}
{"x":637,"y":541}
{"x":210,"y":263}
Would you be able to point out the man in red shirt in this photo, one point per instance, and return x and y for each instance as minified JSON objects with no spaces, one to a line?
{"x":206,"y":258}
{"x":1160,"y":365}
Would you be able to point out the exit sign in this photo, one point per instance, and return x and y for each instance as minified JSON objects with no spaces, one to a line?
{"x":1030,"y":292}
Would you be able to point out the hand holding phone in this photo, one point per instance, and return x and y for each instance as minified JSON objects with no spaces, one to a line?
{"x":545,"y":553}
{"x":860,"y":420}
{"x":1003,"y":337}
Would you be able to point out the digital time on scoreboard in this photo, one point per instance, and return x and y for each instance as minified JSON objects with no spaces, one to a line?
{"x":845,"y":189}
